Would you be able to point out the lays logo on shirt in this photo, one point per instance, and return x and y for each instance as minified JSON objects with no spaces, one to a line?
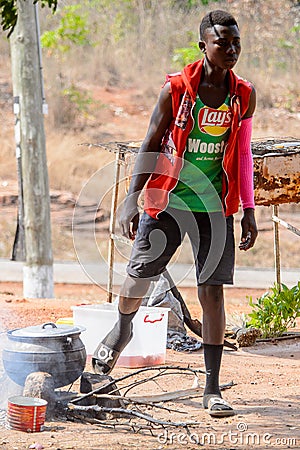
{"x":214,"y":121}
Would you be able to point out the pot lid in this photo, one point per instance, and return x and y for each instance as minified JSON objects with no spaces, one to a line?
{"x":46,"y":330}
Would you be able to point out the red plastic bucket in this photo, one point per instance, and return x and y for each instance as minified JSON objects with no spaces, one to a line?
{"x":26,"y":413}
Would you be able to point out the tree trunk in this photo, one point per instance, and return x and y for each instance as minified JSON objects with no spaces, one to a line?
{"x":38,"y":268}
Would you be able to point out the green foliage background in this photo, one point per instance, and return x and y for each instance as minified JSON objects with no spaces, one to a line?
{"x":135,"y":42}
{"x":123,"y":48}
{"x":9,"y":12}
{"x":276,"y":311}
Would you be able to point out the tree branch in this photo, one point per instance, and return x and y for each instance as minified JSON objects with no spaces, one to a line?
{"x":116,"y":380}
{"x":130,"y":412}
{"x":9,"y":12}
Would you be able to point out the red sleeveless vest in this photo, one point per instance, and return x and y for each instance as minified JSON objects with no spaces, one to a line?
{"x":184,"y":87}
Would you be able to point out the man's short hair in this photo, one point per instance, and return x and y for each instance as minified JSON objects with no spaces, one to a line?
{"x":217,"y":17}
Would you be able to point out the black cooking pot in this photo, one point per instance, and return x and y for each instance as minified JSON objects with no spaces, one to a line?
{"x":51,"y":348}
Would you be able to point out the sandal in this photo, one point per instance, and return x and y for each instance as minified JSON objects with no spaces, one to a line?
{"x":105,"y":358}
{"x":216,"y":406}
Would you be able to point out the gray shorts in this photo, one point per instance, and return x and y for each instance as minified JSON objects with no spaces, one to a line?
{"x":211,"y":236}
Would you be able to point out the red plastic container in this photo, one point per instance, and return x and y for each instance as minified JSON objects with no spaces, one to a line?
{"x":26,"y":413}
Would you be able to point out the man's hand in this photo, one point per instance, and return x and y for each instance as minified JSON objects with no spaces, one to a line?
{"x":146,"y":161}
{"x":249,"y":230}
{"x":129,"y":220}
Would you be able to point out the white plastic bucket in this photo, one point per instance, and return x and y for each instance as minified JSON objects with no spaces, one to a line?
{"x":148,"y":345}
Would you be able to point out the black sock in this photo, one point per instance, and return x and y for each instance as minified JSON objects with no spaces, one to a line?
{"x":118,"y":337}
{"x":212,"y":359}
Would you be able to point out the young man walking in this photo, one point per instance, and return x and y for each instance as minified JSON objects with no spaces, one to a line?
{"x":196,"y":167}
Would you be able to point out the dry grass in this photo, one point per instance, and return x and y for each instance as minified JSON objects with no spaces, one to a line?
{"x":130,"y":49}
{"x":122,"y":69}
{"x":89,"y":245}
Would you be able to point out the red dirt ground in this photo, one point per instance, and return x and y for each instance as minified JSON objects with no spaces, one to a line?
{"x":265,"y":392}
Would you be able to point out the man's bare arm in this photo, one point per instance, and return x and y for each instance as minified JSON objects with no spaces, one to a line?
{"x":146,"y":161}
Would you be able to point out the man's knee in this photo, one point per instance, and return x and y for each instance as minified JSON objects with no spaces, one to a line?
{"x":210,"y":295}
{"x":134,"y":288}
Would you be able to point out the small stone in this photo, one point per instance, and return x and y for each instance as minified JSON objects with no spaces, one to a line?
{"x":37,"y":446}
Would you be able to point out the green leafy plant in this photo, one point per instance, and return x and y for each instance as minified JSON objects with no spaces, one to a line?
{"x":80,"y":98}
{"x":73,"y":30}
{"x":186,"y":55}
{"x":9,"y":12}
{"x":275,"y":311}
{"x":189,"y":4}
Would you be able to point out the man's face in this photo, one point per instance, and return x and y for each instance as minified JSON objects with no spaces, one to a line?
{"x":222,"y":46}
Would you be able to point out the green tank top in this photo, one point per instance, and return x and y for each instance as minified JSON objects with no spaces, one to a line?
{"x":199,"y":186}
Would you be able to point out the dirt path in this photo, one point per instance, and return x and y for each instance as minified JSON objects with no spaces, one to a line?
{"x":265,"y":392}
